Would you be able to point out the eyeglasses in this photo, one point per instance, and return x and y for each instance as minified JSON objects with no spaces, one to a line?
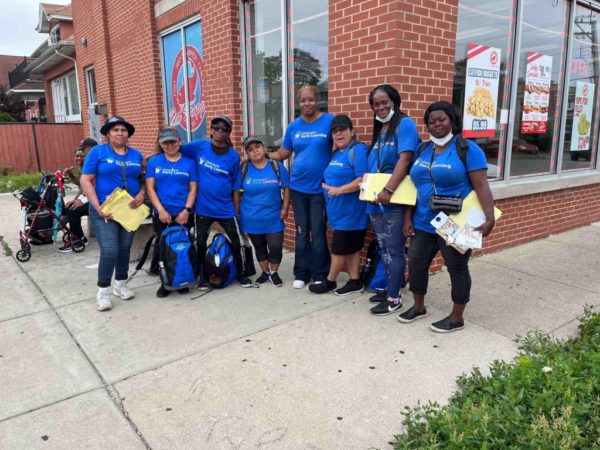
{"x":220,"y":129}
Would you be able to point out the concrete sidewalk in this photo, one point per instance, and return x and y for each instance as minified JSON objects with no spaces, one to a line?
{"x":259,"y":368}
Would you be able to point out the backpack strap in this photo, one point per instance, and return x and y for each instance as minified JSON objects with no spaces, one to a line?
{"x":142,"y":260}
{"x":244,"y":169}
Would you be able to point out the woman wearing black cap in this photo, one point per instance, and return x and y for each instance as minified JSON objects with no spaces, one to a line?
{"x":440,"y":163}
{"x":106,"y":167}
{"x":346,"y":214}
{"x":218,"y":198}
{"x":263,"y":207}
{"x":172,"y":183}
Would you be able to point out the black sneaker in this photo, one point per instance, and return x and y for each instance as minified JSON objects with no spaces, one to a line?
{"x":447,"y":326}
{"x":381,"y":296}
{"x":184,"y":290}
{"x":245,"y":282}
{"x":162,"y":292}
{"x":385,"y":308}
{"x":68,"y":247}
{"x":322,"y":287}
{"x":411,"y":315}
{"x":350,"y":287}
{"x":276,"y":280}
{"x":84,"y":240}
{"x":203,"y":286}
{"x":263,"y":278}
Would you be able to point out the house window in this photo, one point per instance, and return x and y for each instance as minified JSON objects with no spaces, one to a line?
{"x":54,"y":35}
{"x":286,"y":44}
{"x":65,"y":97}
{"x":90,"y":81}
{"x":183,"y":79}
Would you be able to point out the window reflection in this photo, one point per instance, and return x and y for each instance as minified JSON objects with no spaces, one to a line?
{"x":582,"y":109}
{"x":537,"y":114}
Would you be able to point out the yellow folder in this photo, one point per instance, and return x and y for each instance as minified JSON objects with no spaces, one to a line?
{"x":471,"y":202}
{"x":117,"y":204}
{"x":373,"y":183}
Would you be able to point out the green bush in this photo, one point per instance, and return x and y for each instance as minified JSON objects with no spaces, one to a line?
{"x":548,"y":397}
{"x":6,"y":117}
{"x":18,"y":181}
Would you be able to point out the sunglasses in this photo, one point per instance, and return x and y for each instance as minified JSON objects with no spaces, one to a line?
{"x":220,"y":129}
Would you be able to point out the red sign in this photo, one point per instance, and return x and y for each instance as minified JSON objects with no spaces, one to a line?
{"x":195,"y":86}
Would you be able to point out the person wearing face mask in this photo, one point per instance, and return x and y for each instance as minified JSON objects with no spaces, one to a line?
{"x":309,"y":139}
{"x":345,"y":212}
{"x":393,"y":145}
{"x":218,"y":199}
{"x":439,"y":162}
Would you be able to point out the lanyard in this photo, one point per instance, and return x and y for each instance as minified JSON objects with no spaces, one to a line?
{"x":381,"y":142}
{"x":123,"y":167}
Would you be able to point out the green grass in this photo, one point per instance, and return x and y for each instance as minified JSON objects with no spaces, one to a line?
{"x":548,"y":397}
{"x":18,"y":181}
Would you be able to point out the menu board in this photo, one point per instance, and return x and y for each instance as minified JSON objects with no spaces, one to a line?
{"x":481,"y":91}
{"x":582,"y":116}
{"x":537,"y":93}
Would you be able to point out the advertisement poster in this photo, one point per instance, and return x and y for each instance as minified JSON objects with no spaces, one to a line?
{"x":582,"y":116}
{"x":537,"y":94}
{"x":184,"y":81}
{"x":481,"y":91}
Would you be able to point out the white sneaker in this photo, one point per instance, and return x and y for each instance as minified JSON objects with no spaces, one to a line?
{"x":298,"y":284}
{"x":121,"y":290}
{"x":102,"y":300}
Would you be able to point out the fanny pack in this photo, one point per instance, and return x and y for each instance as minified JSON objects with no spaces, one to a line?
{"x":448,"y":204}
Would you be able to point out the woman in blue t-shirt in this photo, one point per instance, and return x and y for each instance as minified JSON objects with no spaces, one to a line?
{"x":172,"y":184}
{"x":346,"y":213}
{"x":395,"y":139}
{"x":262,"y":209}
{"x":308,"y":138}
{"x":106,"y":167}
{"x":440,"y":169}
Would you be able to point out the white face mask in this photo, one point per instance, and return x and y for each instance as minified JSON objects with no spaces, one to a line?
{"x":387,"y":118}
{"x":440,"y":142}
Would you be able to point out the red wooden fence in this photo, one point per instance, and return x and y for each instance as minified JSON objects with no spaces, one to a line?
{"x":27,"y":147}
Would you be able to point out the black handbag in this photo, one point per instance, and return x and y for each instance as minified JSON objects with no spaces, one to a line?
{"x":248,"y":260}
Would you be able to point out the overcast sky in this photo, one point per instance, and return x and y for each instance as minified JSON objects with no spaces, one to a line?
{"x":18,"y":19}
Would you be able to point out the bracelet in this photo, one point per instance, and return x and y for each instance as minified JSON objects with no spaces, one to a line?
{"x":388,"y":190}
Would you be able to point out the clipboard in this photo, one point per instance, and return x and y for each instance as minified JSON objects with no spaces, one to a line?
{"x":117,"y":204}
{"x":373,"y":183}
{"x":472,"y":211}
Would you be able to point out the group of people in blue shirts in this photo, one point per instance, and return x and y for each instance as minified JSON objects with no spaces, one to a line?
{"x":202,"y":182}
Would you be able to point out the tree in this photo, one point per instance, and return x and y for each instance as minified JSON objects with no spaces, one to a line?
{"x":12,"y":104}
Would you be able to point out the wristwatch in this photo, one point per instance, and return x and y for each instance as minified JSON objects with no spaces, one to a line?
{"x":188,"y":209}
{"x":388,"y":190}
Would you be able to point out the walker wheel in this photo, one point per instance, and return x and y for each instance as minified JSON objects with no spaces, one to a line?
{"x":78,"y":246}
{"x":23,"y":255}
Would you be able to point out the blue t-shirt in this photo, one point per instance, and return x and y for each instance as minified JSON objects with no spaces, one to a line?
{"x":384,"y":155}
{"x":218,"y":177}
{"x":449,"y":174}
{"x":311,"y":143}
{"x":261,"y":200}
{"x":346,"y":211}
{"x":171,"y":181}
{"x":107,"y":166}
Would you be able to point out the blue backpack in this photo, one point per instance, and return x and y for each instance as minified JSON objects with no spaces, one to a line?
{"x":178,"y":264}
{"x":219,"y":266}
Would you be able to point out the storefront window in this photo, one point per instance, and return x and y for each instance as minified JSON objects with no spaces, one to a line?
{"x":264,"y":69}
{"x":484,"y":45}
{"x":272,"y":79}
{"x":308,"y":55}
{"x":539,"y":94}
{"x":582,"y":111}
{"x":183,"y":78}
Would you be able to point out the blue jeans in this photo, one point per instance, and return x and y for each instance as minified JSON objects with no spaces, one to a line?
{"x":312,"y":255}
{"x":388,"y":229}
{"x":115,"y":245}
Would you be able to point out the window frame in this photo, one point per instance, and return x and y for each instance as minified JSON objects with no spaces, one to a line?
{"x":60,"y":85}
{"x":90,"y":74}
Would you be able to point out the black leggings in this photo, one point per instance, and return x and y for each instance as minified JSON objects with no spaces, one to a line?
{"x":268,"y":246}
{"x":423,"y":248}
{"x":232,"y":230}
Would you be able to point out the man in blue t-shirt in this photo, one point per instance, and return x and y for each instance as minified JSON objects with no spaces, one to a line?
{"x":218,"y":198}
